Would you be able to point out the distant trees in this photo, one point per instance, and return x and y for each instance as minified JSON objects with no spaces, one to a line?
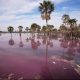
{"x":20,"y":28}
{"x":50,"y":27}
{"x":38,"y":28}
{"x":35,"y":27}
{"x":72,"y":23}
{"x":27,"y":29}
{"x":63,"y":28}
{"x":44,"y":29}
{"x":10,"y":29}
{"x":65,"y":19}
{"x":69,"y":27}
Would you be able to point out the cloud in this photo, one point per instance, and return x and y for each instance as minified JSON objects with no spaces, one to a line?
{"x":20,"y":12}
{"x":21,"y":6}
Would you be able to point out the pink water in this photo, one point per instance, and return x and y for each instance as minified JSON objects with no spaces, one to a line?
{"x":32,"y":58}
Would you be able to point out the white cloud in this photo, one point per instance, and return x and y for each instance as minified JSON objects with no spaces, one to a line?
{"x":11,"y":10}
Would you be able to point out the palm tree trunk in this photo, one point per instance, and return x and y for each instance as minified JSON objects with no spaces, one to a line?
{"x":46,"y":26}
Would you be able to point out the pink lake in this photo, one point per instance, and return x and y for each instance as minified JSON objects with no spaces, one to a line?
{"x":38,"y":57}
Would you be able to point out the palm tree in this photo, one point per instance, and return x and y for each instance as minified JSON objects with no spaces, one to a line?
{"x":33,"y":27}
{"x":65,"y":19}
{"x":50,"y":27}
{"x":20,"y":28}
{"x":11,"y":41}
{"x":27,"y":29}
{"x":62,"y":27}
{"x":73,"y":27}
{"x":10,"y":29}
{"x":38,"y":28}
{"x":44,"y":29}
{"x":46,"y":8}
{"x":72,"y":23}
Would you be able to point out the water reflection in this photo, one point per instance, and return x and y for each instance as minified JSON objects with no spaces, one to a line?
{"x":0,"y":33}
{"x":21,"y":42}
{"x":27,"y":39}
{"x":34,"y":44}
{"x":11,"y":41}
{"x":64,"y":64}
{"x":61,"y":67}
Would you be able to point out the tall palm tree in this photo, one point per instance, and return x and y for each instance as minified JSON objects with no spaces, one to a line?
{"x":46,"y":8}
{"x":65,"y":19}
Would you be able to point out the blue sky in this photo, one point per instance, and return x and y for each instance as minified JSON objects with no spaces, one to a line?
{"x":25,"y":12}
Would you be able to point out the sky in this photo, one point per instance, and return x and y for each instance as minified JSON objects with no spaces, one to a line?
{"x":25,"y":12}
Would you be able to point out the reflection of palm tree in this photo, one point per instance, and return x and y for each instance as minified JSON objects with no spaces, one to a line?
{"x":69,"y":55}
{"x":38,"y":36}
{"x":44,"y":40}
{"x":27,"y":30}
{"x":73,"y":43}
{"x":34,"y":44}
{"x":21,"y":43}
{"x":0,"y":33}
{"x":27,"y":39}
{"x":51,"y":44}
{"x":46,"y":74}
{"x":11,"y":42}
{"x":64,"y":44}
{"x":46,"y":8}
{"x":20,"y":30}
{"x":78,"y":48}
{"x":38,"y":43}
